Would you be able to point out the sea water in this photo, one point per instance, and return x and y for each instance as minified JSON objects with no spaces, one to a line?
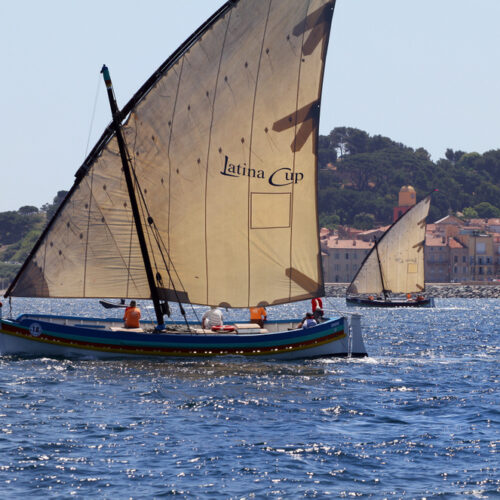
{"x":417,"y":418}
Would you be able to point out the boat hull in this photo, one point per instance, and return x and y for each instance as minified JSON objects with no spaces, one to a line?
{"x":40,"y":336}
{"x":365,"y":302}
{"x":112,"y":305}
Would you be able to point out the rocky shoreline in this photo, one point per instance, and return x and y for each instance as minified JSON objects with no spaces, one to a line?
{"x":437,"y":290}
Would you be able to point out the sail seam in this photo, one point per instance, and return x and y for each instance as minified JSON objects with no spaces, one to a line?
{"x":169,"y":211}
{"x":88,"y":233}
{"x":290,"y":278}
{"x":209,"y":149}
{"x":249,"y":266}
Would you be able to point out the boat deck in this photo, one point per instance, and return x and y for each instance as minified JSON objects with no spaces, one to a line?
{"x":116,"y":325}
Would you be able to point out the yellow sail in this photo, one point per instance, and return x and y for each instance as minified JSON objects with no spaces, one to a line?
{"x":222,"y":145}
{"x":396,"y":263}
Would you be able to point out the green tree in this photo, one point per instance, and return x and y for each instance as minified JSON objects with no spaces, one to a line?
{"x":364,"y":221}
{"x":486,"y":210}
{"x":50,"y":209}
{"x":28,"y":209}
{"x":469,"y":213}
{"x":331,"y":221}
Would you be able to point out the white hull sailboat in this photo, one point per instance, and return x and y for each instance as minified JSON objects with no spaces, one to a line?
{"x":202,"y":190}
{"x":392,"y":274}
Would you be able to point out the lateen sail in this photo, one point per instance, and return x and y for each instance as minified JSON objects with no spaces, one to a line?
{"x":401,"y":254}
{"x":222,"y":142}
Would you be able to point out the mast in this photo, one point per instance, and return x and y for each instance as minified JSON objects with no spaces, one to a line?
{"x":133,"y":200}
{"x":380,"y":269}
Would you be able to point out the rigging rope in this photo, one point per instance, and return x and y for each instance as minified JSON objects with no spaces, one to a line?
{"x":161,"y":247}
{"x":96,"y":98}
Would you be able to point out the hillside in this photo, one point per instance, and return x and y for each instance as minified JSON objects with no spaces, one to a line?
{"x":360,"y":177}
{"x":19,"y":231}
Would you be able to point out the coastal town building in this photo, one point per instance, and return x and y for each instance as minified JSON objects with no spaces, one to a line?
{"x":342,"y":257}
{"x":445,"y":259}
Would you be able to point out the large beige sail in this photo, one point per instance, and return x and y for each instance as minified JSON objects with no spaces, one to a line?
{"x":222,"y":142}
{"x":401,"y":254}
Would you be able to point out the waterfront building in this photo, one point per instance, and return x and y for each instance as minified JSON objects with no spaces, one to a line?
{"x":342,"y":258}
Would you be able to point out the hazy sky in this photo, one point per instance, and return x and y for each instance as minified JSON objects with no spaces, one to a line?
{"x":425,"y":73}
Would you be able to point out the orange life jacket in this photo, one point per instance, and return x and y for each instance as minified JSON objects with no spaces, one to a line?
{"x":258,"y":313}
{"x":131,"y":317}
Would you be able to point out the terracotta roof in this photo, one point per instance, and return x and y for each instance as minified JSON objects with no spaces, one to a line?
{"x":382,"y":229}
{"x":348,"y":244}
{"x":449,"y":219}
{"x":453,"y":243}
{"x":477,"y":222}
{"x":432,"y":240}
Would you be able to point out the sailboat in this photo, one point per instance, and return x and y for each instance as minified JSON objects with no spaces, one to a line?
{"x":392,"y":274}
{"x":202,"y":190}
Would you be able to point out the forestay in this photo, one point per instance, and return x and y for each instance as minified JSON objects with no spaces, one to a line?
{"x":401,"y":254}
{"x":222,"y":143}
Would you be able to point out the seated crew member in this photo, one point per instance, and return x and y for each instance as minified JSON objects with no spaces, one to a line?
{"x":132,"y":315}
{"x":213,"y":317}
{"x":309,"y":321}
{"x":258,"y":315}
{"x":318,"y":315}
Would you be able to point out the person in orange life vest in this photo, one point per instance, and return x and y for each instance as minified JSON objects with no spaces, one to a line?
{"x":132,"y":315}
{"x":316,"y":303}
{"x":258,"y":315}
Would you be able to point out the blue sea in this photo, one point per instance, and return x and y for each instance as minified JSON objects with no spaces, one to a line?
{"x":418,"y":418}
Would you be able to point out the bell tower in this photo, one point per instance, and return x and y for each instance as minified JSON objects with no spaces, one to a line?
{"x":406,"y":199}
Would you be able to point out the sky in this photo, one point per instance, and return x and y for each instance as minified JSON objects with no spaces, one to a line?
{"x":424,"y":73}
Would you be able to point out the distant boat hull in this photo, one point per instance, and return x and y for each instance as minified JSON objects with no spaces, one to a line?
{"x":112,"y":305}
{"x":365,"y":302}
{"x":43,"y":335}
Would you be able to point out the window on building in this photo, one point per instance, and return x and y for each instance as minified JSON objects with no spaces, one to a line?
{"x":347,"y":256}
{"x":337,"y":255}
{"x":455,"y":270}
{"x":481,"y":270}
{"x":455,"y":258}
{"x":464,"y":259}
